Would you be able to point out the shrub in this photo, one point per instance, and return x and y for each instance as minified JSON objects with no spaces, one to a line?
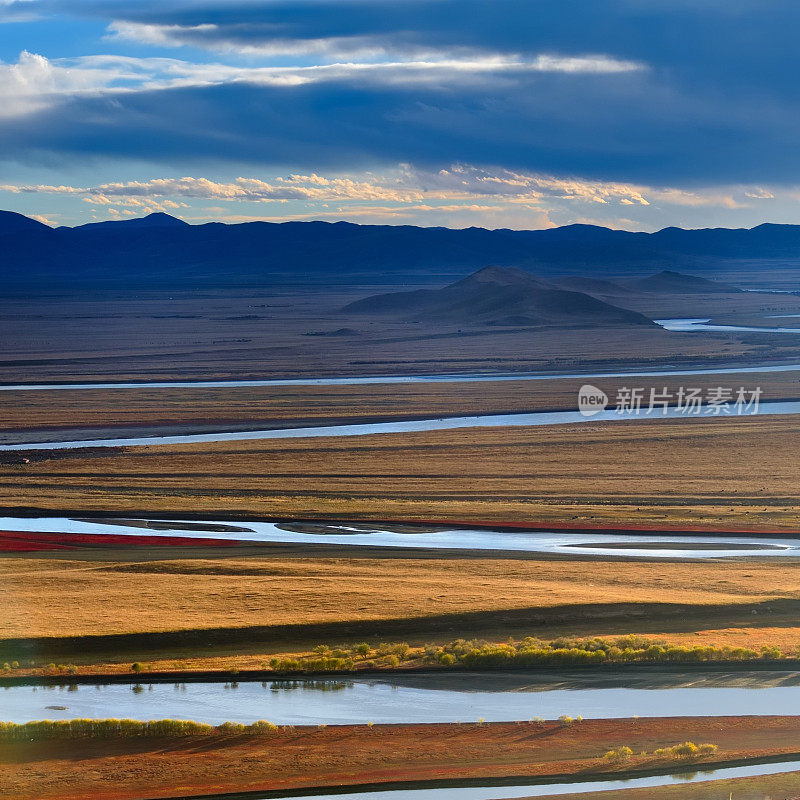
{"x":123,"y":729}
{"x":312,"y":664}
{"x":585,"y":652}
{"x":686,"y":750}
{"x":401,"y":650}
{"x":137,"y":666}
{"x":620,"y":754}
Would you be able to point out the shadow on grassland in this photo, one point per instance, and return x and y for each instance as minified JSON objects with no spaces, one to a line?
{"x":575,"y":619}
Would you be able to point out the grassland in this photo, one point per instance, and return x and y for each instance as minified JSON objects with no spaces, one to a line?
{"x":43,"y":415}
{"x":342,"y":755}
{"x":233,"y":608}
{"x":720,"y":473}
{"x":252,"y":601}
{"x":102,"y":610}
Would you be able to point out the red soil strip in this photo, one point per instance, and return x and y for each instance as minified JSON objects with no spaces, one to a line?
{"x":340,"y":755}
{"x":25,"y":542}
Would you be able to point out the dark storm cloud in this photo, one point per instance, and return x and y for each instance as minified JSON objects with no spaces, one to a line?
{"x":716,"y":99}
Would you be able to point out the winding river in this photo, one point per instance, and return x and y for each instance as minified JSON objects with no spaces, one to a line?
{"x":410,"y":426}
{"x":470,"y":377}
{"x":689,"y":324}
{"x":438,"y":537}
{"x":426,"y":698}
{"x":578,"y":789}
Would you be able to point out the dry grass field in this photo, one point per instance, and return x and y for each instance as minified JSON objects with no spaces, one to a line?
{"x":233,"y":611}
{"x":722,"y":473}
{"x":62,"y":414}
{"x":347,"y":755}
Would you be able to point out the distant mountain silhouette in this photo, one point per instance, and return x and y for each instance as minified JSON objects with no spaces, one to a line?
{"x":498,"y":296}
{"x":669,"y":282}
{"x":160,"y":250}
{"x":579,"y":283}
{"x":11,"y":222}
{"x":156,"y":220}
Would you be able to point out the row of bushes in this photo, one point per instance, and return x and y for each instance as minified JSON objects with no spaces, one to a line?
{"x":480,"y":654}
{"x":527,"y":652}
{"x":344,"y":659}
{"x":121,"y":729}
{"x":685,"y":750}
{"x":311,"y":664}
{"x":586,"y":652}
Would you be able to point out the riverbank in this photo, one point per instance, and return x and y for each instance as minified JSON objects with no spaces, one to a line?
{"x":293,"y":758}
{"x":630,"y":655}
{"x":762,"y":787}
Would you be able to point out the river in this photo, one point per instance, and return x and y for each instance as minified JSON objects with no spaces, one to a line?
{"x":427,"y":698}
{"x":430,"y":537}
{"x":411,"y":426}
{"x":470,"y":377}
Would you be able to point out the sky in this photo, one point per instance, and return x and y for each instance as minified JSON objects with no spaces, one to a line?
{"x":634,"y":114}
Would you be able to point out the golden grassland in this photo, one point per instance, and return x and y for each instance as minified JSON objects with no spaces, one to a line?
{"x":227,"y":611}
{"x":721,"y":473}
{"x":321,"y":405}
{"x":341,"y":755}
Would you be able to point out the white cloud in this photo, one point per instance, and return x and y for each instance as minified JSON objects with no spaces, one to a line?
{"x":35,"y":82}
{"x":214,"y":39}
{"x":224,"y":39}
{"x":460,"y":190}
{"x":27,"y":85}
{"x":759,"y":193}
{"x":679,"y":197}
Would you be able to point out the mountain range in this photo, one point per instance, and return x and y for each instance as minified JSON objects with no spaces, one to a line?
{"x":160,"y":250}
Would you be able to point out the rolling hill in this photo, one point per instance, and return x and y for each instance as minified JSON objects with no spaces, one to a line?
{"x":670,"y":282}
{"x":498,"y":296}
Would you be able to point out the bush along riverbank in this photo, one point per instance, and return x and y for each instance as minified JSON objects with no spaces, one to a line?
{"x":527,"y":652}
{"x":530,"y":652}
{"x":56,"y":730}
{"x":472,"y":654}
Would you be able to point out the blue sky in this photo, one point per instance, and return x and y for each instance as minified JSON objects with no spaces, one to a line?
{"x":634,"y":114}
